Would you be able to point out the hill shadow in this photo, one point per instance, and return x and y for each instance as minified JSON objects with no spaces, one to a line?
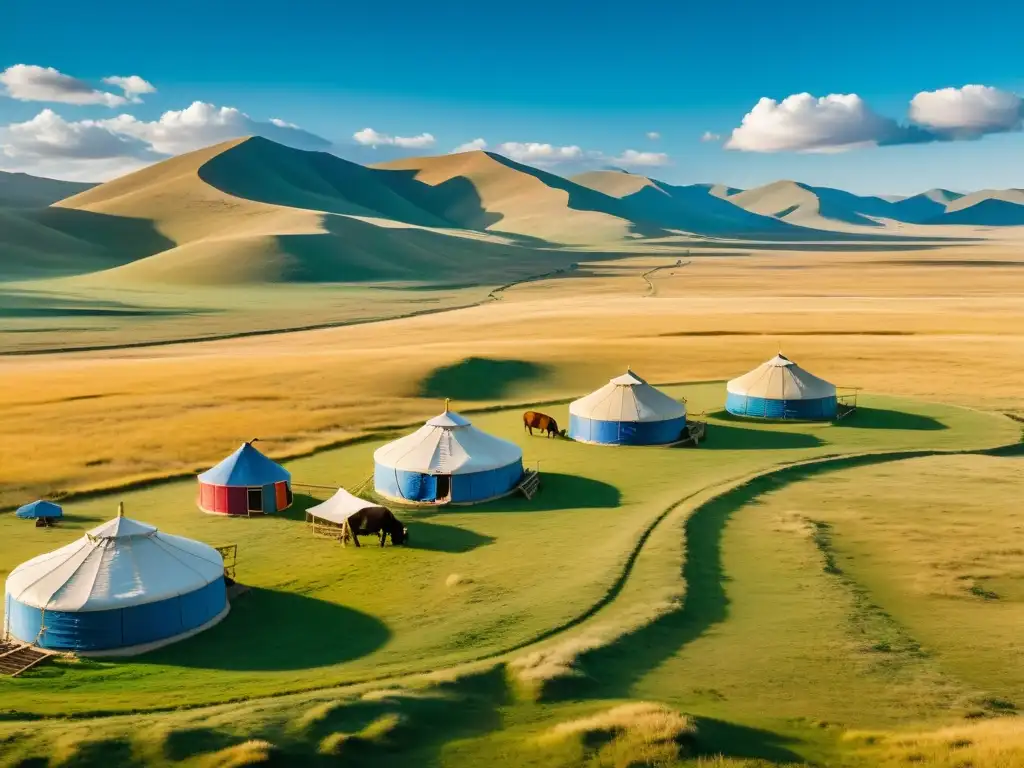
{"x":730,"y":437}
{"x":94,"y":241}
{"x":717,"y":737}
{"x":262,"y":170}
{"x":581,"y":198}
{"x":480,"y":378}
{"x":27,"y":304}
{"x":436,"y":537}
{"x":455,"y":200}
{"x":271,"y":630}
{"x":882,"y":418}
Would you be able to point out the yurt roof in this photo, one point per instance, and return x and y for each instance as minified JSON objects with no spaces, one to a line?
{"x":39,"y":509}
{"x":115,"y":565}
{"x":246,"y":466}
{"x":340,"y":507}
{"x":448,"y":444}
{"x":628,"y":398}
{"x":781,"y":379}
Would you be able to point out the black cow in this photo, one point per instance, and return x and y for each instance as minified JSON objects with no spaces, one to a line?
{"x":377,"y":520}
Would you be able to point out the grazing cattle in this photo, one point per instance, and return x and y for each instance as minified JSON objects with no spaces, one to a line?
{"x":375,"y":520}
{"x":533,"y":420}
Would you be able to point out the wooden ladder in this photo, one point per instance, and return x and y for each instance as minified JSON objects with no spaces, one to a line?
{"x":16,"y":658}
{"x":530,"y":483}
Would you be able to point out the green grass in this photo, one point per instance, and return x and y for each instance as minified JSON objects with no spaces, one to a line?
{"x":60,"y":314}
{"x":322,"y":615}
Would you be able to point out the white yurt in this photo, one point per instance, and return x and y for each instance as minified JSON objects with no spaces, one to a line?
{"x":447,"y":460}
{"x":627,"y":411}
{"x":781,"y":390}
{"x":123,"y":588}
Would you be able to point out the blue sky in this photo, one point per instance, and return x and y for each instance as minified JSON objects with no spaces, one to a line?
{"x":598,"y":76}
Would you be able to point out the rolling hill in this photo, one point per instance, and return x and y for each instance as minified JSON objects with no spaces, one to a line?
{"x":699,"y":208}
{"x":837,"y":210}
{"x":816,"y":207}
{"x":21,"y":190}
{"x":985,"y":208}
{"x":253,"y":211}
{"x":485,"y":191}
{"x":250,"y":211}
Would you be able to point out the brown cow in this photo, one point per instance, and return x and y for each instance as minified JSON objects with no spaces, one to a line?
{"x":533,"y":420}
{"x":377,"y":520}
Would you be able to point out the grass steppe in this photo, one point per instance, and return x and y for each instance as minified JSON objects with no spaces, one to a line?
{"x":758,"y":643}
{"x":941,"y":325}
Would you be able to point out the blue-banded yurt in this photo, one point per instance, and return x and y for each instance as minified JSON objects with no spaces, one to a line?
{"x":627,"y":411}
{"x":447,"y":460}
{"x":123,"y":588}
{"x":245,"y":483}
{"x":781,"y":390}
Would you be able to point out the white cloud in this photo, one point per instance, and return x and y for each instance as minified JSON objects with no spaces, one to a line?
{"x":632,"y":158}
{"x":709,"y":136}
{"x":27,"y":82}
{"x":653,"y":135}
{"x":967,"y":112}
{"x":49,"y":145}
{"x":368,"y":137}
{"x":48,"y":135}
{"x":202,"y":124}
{"x":133,"y":86}
{"x":535,"y":153}
{"x":802,"y":123}
{"x":470,"y":146}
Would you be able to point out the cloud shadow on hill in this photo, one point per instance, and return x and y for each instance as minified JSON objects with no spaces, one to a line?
{"x":480,"y":378}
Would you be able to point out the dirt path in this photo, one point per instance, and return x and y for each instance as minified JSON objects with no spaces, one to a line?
{"x":651,"y":288}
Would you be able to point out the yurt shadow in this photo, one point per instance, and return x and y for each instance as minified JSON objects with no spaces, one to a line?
{"x":297,"y":511}
{"x":271,"y":630}
{"x":437,"y":537}
{"x":733,"y":437}
{"x":563,"y":491}
{"x":883,"y":418}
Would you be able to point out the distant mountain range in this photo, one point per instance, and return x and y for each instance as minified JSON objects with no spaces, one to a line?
{"x":252,"y":211}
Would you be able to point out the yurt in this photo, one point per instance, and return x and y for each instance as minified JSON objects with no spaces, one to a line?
{"x":245,"y":483}
{"x":123,"y":588}
{"x":447,"y":460}
{"x":781,"y":390}
{"x":627,"y":411}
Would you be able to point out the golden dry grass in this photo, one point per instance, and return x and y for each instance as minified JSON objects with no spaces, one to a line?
{"x":938,"y":543}
{"x":638,"y":734}
{"x":893,"y":322}
{"x":997,"y":743}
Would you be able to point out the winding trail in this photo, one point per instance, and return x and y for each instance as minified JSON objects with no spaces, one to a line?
{"x":651,"y":289}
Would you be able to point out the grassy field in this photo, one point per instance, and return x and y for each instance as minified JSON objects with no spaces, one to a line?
{"x":826,"y":614}
{"x":463,"y":590}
